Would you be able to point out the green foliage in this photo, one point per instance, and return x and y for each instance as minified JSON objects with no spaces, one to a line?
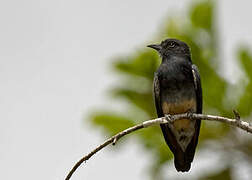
{"x":224,"y":174}
{"x":112,"y":122}
{"x":245,"y":104}
{"x":202,"y":15}
{"x":142,"y":100}
{"x":143,"y":64}
{"x":135,"y":86}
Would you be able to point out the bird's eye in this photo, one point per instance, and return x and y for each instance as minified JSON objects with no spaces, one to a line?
{"x":172,"y":44}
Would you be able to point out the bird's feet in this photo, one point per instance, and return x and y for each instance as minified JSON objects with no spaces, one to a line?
{"x":169,"y":118}
{"x":190,"y":114}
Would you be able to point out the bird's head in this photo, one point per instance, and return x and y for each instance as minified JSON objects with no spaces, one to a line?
{"x":171,"y":47}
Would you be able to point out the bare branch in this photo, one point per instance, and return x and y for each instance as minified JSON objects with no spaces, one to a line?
{"x":167,"y":119}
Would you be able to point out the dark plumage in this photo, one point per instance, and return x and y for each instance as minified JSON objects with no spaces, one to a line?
{"x":177,"y":89}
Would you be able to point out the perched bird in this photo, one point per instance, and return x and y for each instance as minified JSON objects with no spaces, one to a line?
{"x":177,"y":89}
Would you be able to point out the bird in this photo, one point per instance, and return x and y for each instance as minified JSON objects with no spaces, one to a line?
{"x":177,"y":89}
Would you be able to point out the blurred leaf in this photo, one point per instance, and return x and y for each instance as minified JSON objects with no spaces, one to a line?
{"x":143,"y":64}
{"x":111,"y":122}
{"x":246,"y":60}
{"x":224,"y":174}
{"x":153,"y":140}
{"x":144,"y":101}
{"x":201,"y":15}
{"x":245,"y":104}
{"x":212,"y":131}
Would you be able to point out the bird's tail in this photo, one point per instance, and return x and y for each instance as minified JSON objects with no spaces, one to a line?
{"x":182,"y":163}
{"x":182,"y":159}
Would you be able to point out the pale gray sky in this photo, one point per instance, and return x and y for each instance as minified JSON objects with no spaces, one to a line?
{"x":54,"y":59}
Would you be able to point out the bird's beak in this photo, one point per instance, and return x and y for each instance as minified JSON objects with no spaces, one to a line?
{"x":155,"y":46}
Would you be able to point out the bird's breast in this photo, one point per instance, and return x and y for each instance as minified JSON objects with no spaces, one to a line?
{"x":179,"y":107}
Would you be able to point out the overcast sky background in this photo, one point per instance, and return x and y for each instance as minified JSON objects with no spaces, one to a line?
{"x":54,"y":59}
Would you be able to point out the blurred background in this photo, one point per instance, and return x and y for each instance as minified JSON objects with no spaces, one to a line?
{"x":73,"y":73}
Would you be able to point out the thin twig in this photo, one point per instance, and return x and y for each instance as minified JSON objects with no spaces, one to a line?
{"x":167,"y":119}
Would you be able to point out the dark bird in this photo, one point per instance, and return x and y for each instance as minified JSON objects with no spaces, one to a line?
{"x":177,"y":89}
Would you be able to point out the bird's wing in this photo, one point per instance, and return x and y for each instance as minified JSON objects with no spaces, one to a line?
{"x":157,"y":95}
{"x":190,"y":151}
{"x":168,"y":135}
{"x":198,"y":89}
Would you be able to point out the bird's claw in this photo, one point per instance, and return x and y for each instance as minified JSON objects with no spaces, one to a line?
{"x":190,"y":114}
{"x":169,"y":118}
